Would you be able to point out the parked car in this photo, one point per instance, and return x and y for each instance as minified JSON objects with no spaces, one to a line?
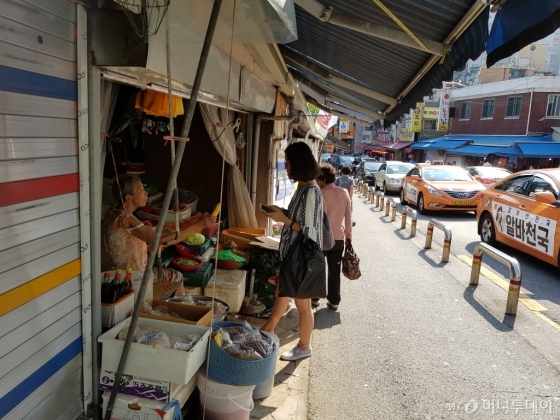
{"x":487,"y":174}
{"x":522,"y":211}
{"x":440,"y":187}
{"x":390,"y":175}
{"x":325,"y":158}
{"x":367,"y":170}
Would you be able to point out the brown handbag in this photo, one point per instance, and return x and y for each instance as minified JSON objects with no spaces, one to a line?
{"x":351,"y":264}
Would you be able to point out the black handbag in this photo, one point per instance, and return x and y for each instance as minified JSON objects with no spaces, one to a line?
{"x":302,"y":273}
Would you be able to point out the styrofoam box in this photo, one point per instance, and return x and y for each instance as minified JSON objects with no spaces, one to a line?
{"x":169,"y":217}
{"x":169,"y":365}
{"x":115,"y":313}
{"x":147,"y":411}
{"x":230,"y":287}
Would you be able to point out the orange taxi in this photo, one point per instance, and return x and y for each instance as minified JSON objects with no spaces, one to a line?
{"x":440,"y":187}
{"x":522,"y":211}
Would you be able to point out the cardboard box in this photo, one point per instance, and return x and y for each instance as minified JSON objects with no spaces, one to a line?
{"x":115,"y":313}
{"x":190,"y":314}
{"x":150,"y":389}
{"x":146,"y":361}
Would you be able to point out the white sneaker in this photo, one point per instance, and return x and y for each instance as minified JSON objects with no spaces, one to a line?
{"x":333,"y":307}
{"x":315,"y":303}
{"x":296,"y":354}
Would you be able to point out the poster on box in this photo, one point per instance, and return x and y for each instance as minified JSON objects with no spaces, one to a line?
{"x":151,"y":389}
{"x":531,"y":229}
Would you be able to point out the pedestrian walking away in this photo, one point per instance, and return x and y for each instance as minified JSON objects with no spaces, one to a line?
{"x":344,"y":181}
{"x":305,"y":215}
{"x":336,"y":204}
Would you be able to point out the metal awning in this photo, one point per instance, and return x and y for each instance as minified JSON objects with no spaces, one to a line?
{"x":447,"y":144}
{"x":351,"y":53}
{"x":336,"y":142}
{"x":540,"y":150}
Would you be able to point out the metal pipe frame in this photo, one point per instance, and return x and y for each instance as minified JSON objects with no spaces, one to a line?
{"x":447,"y":241}
{"x":377,"y":195}
{"x":514,"y":273}
{"x":370,"y":195}
{"x":387,"y":206}
{"x":381,"y":201}
{"x":393,"y":210}
{"x":405,"y":211}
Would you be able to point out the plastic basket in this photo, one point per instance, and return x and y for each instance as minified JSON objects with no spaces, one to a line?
{"x":201,"y":249}
{"x":200,"y":277}
{"x":230,"y":370}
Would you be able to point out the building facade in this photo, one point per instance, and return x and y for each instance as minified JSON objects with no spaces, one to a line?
{"x":511,"y":107}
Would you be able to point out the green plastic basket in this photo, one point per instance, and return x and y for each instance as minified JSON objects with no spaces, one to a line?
{"x":200,"y":277}
{"x":201,"y":249}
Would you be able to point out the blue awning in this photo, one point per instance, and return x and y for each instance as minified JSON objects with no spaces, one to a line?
{"x":421,"y":145}
{"x":501,"y":141}
{"x":447,"y":144}
{"x":483,"y":151}
{"x":540,"y":150}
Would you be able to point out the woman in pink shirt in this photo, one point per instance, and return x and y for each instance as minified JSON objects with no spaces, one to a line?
{"x":336,"y":205}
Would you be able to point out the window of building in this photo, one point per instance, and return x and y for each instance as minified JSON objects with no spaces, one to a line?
{"x":465,"y":111}
{"x":513,"y":106}
{"x":488,"y":108}
{"x":553,"y":108}
{"x":429,"y":124}
{"x":516,"y":74}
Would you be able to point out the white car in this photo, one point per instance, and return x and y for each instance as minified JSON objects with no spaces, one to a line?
{"x":390,"y":174}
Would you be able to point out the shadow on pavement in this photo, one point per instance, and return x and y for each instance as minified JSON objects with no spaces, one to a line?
{"x":284,"y":374}
{"x":505,"y":325}
{"x":326,"y":318}
{"x":401,"y":234}
{"x":423,"y":255}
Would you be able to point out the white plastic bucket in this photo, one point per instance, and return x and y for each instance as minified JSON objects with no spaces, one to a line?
{"x":264,"y":389}
{"x":224,"y":402}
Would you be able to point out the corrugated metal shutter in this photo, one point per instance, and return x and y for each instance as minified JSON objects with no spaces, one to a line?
{"x":40,"y":299}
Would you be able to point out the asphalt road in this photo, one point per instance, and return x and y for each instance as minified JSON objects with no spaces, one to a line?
{"x":540,"y":281}
{"x":412,"y":340}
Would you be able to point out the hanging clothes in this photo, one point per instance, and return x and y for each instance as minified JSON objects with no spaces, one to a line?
{"x":156,"y":103}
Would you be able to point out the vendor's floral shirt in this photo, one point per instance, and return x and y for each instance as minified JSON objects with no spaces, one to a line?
{"x":120,"y":248}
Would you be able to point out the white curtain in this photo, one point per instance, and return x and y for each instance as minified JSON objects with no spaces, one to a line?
{"x":240,"y":208}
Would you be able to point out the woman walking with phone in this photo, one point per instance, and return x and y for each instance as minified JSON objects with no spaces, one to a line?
{"x":305,"y":215}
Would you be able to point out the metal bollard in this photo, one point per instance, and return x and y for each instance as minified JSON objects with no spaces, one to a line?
{"x":514,"y":273}
{"x":371,"y":195}
{"x":387,"y":206}
{"x":446,"y":242}
{"x":406,"y":210}
{"x":393,"y":210}
{"x":381,"y":201}
{"x":377,"y":195}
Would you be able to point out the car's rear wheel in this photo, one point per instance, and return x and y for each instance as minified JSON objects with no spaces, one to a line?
{"x":403,"y":201}
{"x":487,"y":230}
{"x":384,"y":187}
{"x":421,"y":208}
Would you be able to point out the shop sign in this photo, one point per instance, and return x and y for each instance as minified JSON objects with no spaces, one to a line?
{"x":324,"y":121}
{"x":382,"y":138}
{"x":367,"y":137}
{"x":531,"y":229}
{"x":443,"y":116}
{"x":430,"y":112}
{"x":328,"y":148}
{"x":406,"y":134}
{"x":284,"y":185}
{"x":417,"y":118}
{"x":346,"y":130}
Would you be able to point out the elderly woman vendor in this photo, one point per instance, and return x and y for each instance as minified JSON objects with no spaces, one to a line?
{"x":125,"y":239}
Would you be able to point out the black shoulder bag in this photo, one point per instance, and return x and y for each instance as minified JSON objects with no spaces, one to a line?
{"x":302,"y":273}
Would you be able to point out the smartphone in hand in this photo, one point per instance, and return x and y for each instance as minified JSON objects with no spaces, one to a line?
{"x":265,"y":208}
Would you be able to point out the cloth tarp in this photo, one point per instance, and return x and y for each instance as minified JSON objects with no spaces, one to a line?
{"x":240,"y":208}
{"x":518,"y":23}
